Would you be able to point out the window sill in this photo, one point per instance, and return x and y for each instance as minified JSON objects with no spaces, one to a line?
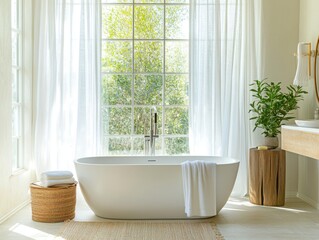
{"x":18,"y":171}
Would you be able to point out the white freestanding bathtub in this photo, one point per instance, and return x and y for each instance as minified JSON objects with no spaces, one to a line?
{"x":145,"y":187}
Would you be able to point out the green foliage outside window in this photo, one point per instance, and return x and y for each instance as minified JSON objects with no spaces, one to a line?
{"x":144,"y":64}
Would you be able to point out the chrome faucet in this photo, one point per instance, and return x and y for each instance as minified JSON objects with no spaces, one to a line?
{"x":149,"y":144}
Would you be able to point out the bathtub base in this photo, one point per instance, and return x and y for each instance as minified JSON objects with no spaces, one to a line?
{"x":145,"y":187}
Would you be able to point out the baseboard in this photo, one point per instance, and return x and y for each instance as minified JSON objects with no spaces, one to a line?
{"x":308,"y":200}
{"x":13,"y":211}
{"x":290,"y":196}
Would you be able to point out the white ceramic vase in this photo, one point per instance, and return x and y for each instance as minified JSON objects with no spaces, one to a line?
{"x":271,"y":142}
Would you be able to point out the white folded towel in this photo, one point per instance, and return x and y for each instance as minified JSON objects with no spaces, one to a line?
{"x":56,"y":175}
{"x":199,"y":186}
{"x":47,"y":183}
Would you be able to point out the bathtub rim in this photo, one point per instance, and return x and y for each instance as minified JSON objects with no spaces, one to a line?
{"x":116,"y":158}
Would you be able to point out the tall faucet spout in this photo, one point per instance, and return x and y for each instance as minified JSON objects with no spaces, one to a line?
{"x":150,"y":140}
{"x":153,"y":129}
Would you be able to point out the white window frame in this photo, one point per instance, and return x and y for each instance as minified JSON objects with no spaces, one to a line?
{"x":163,"y":135}
{"x":24,"y":76}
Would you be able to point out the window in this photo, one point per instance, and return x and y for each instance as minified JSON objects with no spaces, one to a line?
{"x":17,"y":82}
{"x":21,"y":24}
{"x":145,"y":63}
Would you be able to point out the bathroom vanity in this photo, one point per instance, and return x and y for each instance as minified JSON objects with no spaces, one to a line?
{"x":301,"y":140}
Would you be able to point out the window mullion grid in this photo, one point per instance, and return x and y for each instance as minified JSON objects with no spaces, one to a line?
{"x":164,"y":80}
{"x":189,"y":72}
{"x":20,"y":87}
{"x":144,"y":105}
{"x":17,"y":103}
{"x":163,"y":74}
{"x":145,"y":73}
{"x":17,"y":107}
{"x":143,"y":4}
{"x":145,"y":40}
{"x":16,"y":67}
{"x":133,"y":77}
{"x":16,"y":30}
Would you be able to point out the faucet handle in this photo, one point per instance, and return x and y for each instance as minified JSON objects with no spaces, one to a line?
{"x":155,"y":117}
{"x":155,"y":124}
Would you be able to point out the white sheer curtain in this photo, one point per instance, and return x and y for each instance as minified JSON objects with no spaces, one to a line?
{"x":225,"y":43}
{"x":67,"y":71}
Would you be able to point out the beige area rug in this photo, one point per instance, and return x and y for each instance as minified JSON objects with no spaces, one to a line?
{"x":139,"y":230}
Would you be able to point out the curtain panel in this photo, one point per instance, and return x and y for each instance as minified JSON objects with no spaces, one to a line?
{"x":67,"y":73}
{"x":225,"y":53}
{"x":224,"y":59}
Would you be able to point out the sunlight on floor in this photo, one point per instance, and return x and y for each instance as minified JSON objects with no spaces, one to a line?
{"x":248,"y":204}
{"x":234,"y":209}
{"x":240,"y":203}
{"x":32,"y":233}
{"x":292,"y":210}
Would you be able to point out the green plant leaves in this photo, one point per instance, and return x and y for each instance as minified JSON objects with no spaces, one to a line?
{"x":271,"y":107}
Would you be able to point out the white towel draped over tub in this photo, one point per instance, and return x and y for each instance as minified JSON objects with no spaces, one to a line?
{"x":199,"y":185}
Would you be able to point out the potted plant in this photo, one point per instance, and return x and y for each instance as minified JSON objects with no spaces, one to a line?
{"x":271,"y":107}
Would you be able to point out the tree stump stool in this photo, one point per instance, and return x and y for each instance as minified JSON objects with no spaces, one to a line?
{"x":267,"y":175}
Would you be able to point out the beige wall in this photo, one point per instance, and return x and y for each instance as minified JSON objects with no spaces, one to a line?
{"x":287,"y":22}
{"x":280,"y":35}
{"x":13,"y":187}
{"x":308,"y":184}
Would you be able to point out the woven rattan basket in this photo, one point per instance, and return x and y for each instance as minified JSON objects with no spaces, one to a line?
{"x":53,"y":204}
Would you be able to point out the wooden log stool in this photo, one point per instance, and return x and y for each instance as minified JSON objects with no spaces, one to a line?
{"x":267,"y":174}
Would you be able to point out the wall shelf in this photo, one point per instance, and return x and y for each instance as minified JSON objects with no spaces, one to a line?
{"x":301,"y":140}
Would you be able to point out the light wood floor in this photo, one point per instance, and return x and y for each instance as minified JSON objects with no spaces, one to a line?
{"x":238,"y":220}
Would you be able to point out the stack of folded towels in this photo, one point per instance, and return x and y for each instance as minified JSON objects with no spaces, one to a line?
{"x":51,"y":178}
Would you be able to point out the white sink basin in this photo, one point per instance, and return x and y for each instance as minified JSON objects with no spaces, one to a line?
{"x":308,"y":123}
